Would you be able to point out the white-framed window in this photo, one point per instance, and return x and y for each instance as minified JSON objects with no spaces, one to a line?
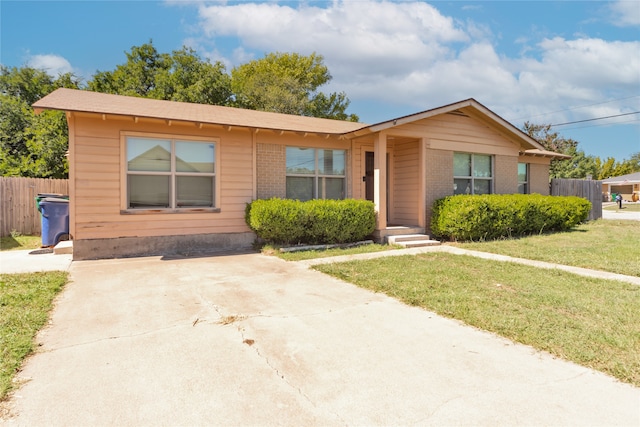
{"x":315,"y":173}
{"x":523,"y":178}
{"x":170,"y":173}
{"x":472,"y":173}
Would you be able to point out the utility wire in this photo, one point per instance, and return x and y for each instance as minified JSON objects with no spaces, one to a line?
{"x":597,"y":118}
{"x":602,"y":124}
{"x":575,"y":108}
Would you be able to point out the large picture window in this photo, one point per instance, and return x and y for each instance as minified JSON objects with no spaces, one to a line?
{"x":472,"y":173}
{"x":523,"y":178}
{"x":315,"y":173}
{"x":170,"y":173}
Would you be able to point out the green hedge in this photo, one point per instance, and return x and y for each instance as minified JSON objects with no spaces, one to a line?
{"x":284,"y":221}
{"x":496,"y":216}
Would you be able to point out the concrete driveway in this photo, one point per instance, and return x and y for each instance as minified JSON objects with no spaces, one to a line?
{"x":247,"y":339}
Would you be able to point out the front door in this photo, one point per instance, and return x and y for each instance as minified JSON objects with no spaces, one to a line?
{"x":368,"y":175}
{"x":368,"y":178}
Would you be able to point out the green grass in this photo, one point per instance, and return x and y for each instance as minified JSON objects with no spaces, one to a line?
{"x":25,"y":302}
{"x":312,"y":254}
{"x":606,"y":245}
{"x":19,"y":242}
{"x":593,"y":322}
{"x":626,"y":207}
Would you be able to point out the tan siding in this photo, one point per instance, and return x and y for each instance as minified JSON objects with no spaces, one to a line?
{"x":404,"y":208}
{"x":98,"y":182}
{"x":459,"y":133}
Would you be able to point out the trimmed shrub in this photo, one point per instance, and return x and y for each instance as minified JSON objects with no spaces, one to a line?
{"x":284,"y":221}
{"x":495,"y":216}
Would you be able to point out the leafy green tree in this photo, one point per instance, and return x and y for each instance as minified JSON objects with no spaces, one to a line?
{"x":288,"y":83}
{"x":611,"y":168}
{"x":32,"y":145}
{"x":633,"y":162}
{"x":179,"y":76}
{"x":578,"y":167}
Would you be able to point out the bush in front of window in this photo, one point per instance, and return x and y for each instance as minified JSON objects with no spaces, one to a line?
{"x":284,"y":221}
{"x":498,"y":216}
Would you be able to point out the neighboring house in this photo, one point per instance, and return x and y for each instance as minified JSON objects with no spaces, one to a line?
{"x":627,"y":185}
{"x":152,"y":177}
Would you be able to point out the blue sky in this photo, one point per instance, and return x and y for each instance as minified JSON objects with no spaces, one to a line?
{"x":547,"y":62}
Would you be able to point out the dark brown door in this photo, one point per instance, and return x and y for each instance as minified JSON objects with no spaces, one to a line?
{"x":368,"y":175}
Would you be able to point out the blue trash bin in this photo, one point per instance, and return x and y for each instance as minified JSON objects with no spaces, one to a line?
{"x":55,"y":220}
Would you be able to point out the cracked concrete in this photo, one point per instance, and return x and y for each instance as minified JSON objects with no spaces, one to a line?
{"x":253,"y":340}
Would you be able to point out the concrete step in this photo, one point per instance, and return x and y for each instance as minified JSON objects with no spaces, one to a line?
{"x":402,"y":230}
{"x":418,"y":243}
{"x":406,"y":237}
{"x":63,"y":247}
{"x":411,"y":240}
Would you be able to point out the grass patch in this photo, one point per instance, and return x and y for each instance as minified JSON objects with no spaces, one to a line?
{"x":626,"y":207}
{"x":600,"y":245}
{"x":19,"y":242}
{"x":593,"y":322}
{"x":25,"y":302}
{"x":312,"y":254}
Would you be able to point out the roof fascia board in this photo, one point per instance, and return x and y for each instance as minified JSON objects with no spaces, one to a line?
{"x":378,"y":127}
{"x":469,"y":106}
{"x":199,"y":123}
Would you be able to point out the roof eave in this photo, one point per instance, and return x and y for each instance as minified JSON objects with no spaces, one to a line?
{"x":545,"y":153}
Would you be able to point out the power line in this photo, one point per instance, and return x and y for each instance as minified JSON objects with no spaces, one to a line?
{"x":575,"y":108}
{"x":594,"y":119}
{"x":601,"y":124}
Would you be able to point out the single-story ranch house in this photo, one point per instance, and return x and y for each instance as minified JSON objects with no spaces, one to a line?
{"x":151,"y":177}
{"x":627,"y":185}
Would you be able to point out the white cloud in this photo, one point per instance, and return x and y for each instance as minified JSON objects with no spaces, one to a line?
{"x":52,"y":64}
{"x":626,"y":13}
{"x":409,"y":53}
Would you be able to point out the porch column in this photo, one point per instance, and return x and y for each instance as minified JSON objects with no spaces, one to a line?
{"x":380,"y":179}
{"x":423,"y":143}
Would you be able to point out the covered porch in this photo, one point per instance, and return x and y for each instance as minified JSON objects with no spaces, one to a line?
{"x":389,"y":170}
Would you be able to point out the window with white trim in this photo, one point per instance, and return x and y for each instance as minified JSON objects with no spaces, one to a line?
{"x":168,"y":173}
{"x":315,"y":173}
{"x":472,"y":173}
{"x":523,"y":178}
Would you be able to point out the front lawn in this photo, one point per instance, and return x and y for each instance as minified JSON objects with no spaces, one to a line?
{"x":25,"y":302}
{"x":606,"y":245}
{"x":626,"y":207}
{"x":19,"y":242}
{"x":593,"y":322}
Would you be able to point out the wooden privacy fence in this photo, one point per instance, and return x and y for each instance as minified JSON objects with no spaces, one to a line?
{"x":585,"y":188}
{"x":18,"y":210}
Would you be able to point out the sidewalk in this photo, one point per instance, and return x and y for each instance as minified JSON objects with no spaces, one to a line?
{"x":33,"y":261}
{"x":458,"y":251}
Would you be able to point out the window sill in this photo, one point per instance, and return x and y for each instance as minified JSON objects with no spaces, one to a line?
{"x":168,"y":211}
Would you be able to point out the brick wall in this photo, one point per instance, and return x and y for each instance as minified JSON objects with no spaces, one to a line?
{"x":271,"y":170}
{"x":439,"y":175}
{"x":505,"y":177}
{"x":539,"y":179}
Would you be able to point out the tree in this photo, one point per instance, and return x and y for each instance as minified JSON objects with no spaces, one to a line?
{"x":579,"y":166}
{"x":612,"y":168}
{"x":32,"y":145}
{"x":179,"y":76}
{"x":633,"y":162}
{"x":288,"y":83}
